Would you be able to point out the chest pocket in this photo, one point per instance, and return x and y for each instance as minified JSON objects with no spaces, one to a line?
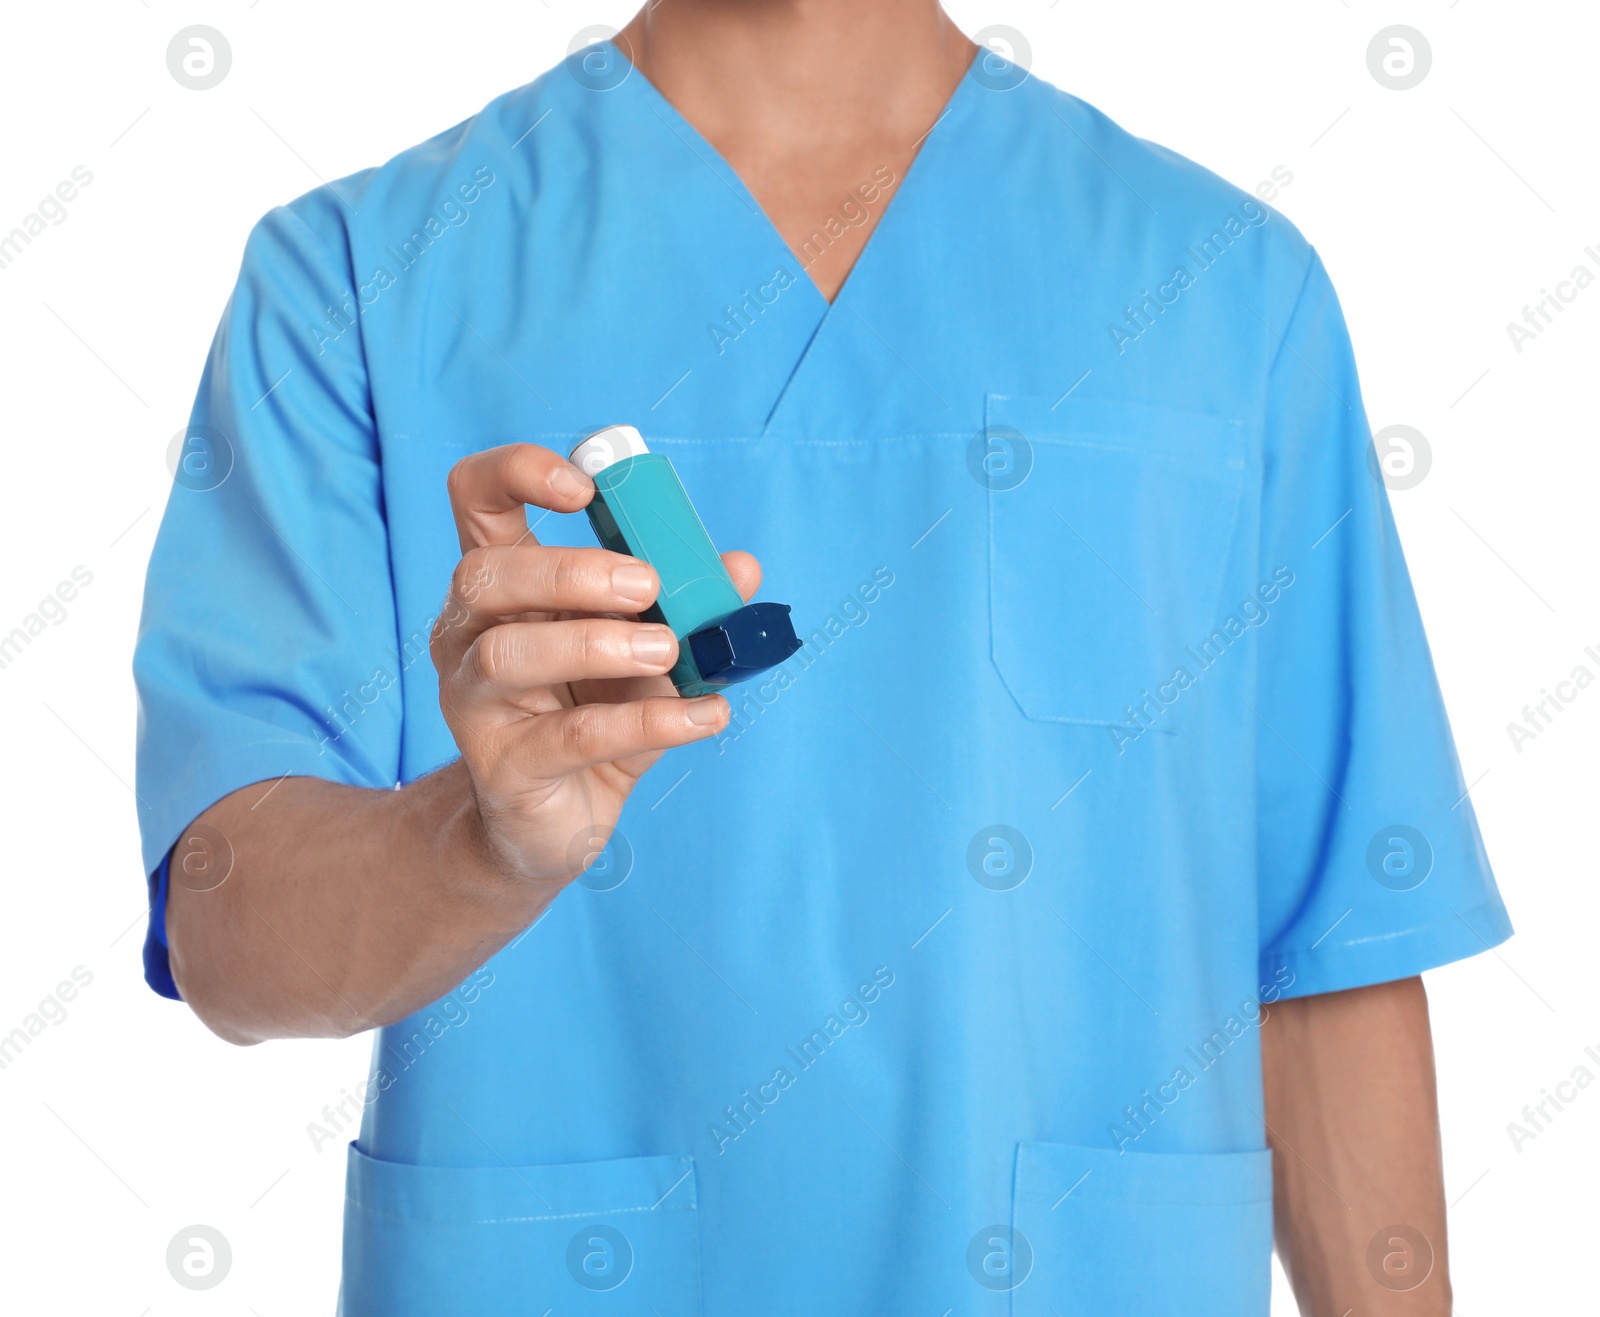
{"x":1107,"y":560}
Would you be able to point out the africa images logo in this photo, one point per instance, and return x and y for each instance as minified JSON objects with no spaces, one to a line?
{"x":1140,"y":317}
{"x":451,"y":211}
{"x":739,"y":1119}
{"x":1251,"y":613}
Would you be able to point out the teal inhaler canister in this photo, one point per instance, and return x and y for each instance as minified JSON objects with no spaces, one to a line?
{"x":641,"y":508}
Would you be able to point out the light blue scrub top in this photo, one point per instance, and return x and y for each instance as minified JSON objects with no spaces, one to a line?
{"x":934,"y":984}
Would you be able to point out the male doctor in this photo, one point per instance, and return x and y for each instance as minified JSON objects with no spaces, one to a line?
{"x":1043,"y":935}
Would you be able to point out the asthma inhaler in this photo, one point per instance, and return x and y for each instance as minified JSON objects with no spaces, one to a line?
{"x":640,"y":508}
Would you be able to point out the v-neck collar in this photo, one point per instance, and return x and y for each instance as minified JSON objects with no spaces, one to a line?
{"x":956,"y":107}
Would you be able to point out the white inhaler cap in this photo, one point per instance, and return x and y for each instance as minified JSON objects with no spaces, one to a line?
{"x":607,"y":447}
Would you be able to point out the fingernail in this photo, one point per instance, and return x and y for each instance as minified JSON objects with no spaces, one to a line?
{"x":705,"y":710}
{"x":651,"y":644}
{"x":567,"y":481}
{"x":634,"y":582}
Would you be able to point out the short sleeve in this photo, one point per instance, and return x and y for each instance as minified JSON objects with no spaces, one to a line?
{"x":268,"y":632}
{"x":1371,"y":865}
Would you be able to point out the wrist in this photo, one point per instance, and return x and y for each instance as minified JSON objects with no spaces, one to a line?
{"x":475,"y":870}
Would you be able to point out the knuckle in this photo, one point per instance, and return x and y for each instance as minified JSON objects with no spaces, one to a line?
{"x":659,"y":720}
{"x":525,"y":462}
{"x":452,"y":613}
{"x":561,"y":574}
{"x":495,"y":654}
{"x":592,"y":643}
{"x":580,"y":731}
{"x":463,"y":573}
{"x":573,"y":577}
{"x":459,"y":481}
{"x":472,"y":573}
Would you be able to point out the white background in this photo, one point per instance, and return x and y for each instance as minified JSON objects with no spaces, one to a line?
{"x":1441,"y":211}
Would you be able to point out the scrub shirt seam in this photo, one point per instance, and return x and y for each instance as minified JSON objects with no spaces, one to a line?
{"x":708,"y":441}
{"x":802,"y":441}
{"x":923,"y":159}
{"x":345,"y":263}
{"x":1290,"y":953}
{"x":1294,"y":312}
{"x":518,"y":1220}
{"x":1136,"y":1201}
{"x":1263,"y":551}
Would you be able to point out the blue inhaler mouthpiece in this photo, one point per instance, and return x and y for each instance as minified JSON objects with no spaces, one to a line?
{"x":743,"y":644}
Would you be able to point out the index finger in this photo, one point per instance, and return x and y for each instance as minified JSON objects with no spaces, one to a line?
{"x":489,"y":491}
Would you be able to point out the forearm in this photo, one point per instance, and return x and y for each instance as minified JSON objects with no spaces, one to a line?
{"x":1353,"y":1121}
{"x":344,"y":907}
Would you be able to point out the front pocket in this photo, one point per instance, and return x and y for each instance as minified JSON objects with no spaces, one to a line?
{"x":1107,"y":561}
{"x":607,"y":1237}
{"x":1142,"y":1234}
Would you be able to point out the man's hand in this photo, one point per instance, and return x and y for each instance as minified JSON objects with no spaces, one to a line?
{"x":556,"y":702}
{"x":348,"y":907}
{"x":1353,"y":1121}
